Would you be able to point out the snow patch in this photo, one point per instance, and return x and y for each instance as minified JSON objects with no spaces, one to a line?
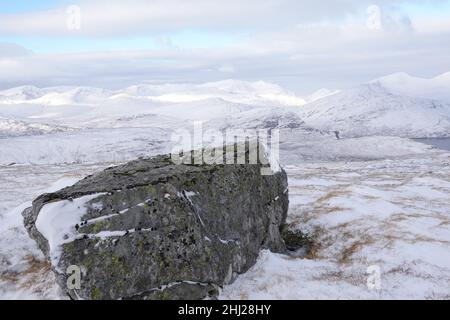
{"x":57,"y":220}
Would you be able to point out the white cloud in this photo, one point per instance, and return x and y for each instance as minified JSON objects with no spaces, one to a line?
{"x":303,"y":45}
{"x":114,"y":17}
{"x":11,"y":50}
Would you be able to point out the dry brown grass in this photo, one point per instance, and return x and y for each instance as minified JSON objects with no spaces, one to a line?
{"x":327,"y":210}
{"x":333,"y":194}
{"x":243,"y":296}
{"x":9,"y":276}
{"x":444,"y":223}
{"x":313,"y":252}
{"x":28,"y":277}
{"x":34,"y":271}
{"x":348,"y":252}
{"x":338,"y":276}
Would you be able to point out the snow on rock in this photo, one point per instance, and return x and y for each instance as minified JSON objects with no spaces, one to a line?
{"x":158,"y":240}
{"x":370,"y":199}
{"x":57,"y":222}
{"x":24,"y":274}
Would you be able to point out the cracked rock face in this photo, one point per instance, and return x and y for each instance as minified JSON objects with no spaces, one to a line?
{"x":151,"y":229}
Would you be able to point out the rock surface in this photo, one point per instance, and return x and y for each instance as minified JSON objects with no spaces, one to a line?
{"x":151,"y":229}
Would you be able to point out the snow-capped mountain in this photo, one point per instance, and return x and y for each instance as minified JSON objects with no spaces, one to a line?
{"x":81,"y":95}
{"x":437,"y":88}
{"x":256,"y":93}
{"x":250,"y":104}
{"x":397,"y":105}
{"x":54,"y":96}
{"x":372,"y":109}
{"x":331,"y":182}
{"x":23,"y":93}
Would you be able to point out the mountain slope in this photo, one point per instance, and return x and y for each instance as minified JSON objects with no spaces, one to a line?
{"x":396,"y":105}
{"x":16,"y":128}
{"x":237,"y":91}
{"x":258,"y":118}
{"x":437,"y":88}
{"x":371,"y":109}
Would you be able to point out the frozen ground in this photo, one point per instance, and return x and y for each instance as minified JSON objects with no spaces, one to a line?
{"x":24,"y":274}
{"x":369,"y":201}
{"x":394,"y":214}
{"x":388,"y":208}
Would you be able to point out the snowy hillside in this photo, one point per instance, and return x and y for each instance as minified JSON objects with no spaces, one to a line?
{"x":396,"y":105}
{"x":23,"y":93}
{"x":360,"y":199}
{"x":14,"y":128}
{"x":150,"y":106}
{"x":319,"y":94}
{"x":259,"y":118}
{"x":256,"y":93}
{"x":86,"y":146}
{"x":358,"y":213}
{"x":392,"y":214}
{"x":437,"y":88}
{"x":372,"y":109}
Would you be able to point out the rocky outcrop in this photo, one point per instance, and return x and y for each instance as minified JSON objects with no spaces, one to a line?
{"x":151,"y":229}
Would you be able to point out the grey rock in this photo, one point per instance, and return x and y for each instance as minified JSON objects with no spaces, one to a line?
{"x":158,"y":230}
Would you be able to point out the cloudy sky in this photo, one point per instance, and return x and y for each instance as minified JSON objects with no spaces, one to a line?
{"x":302,"y":45}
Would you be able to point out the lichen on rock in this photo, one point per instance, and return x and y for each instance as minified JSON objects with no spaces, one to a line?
{"x":150,"y":229}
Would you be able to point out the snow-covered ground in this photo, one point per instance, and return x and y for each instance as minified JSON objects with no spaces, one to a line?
{"x":393,"y":214}
{"x":24,"y":273}
{"x":369,"y":200}
{"x":390,"y":209}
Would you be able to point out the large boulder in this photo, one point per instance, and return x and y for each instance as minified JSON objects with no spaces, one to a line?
{"x":151,"y":229}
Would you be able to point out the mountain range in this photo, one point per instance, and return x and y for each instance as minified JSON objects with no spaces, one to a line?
{"x":395,"y":105}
